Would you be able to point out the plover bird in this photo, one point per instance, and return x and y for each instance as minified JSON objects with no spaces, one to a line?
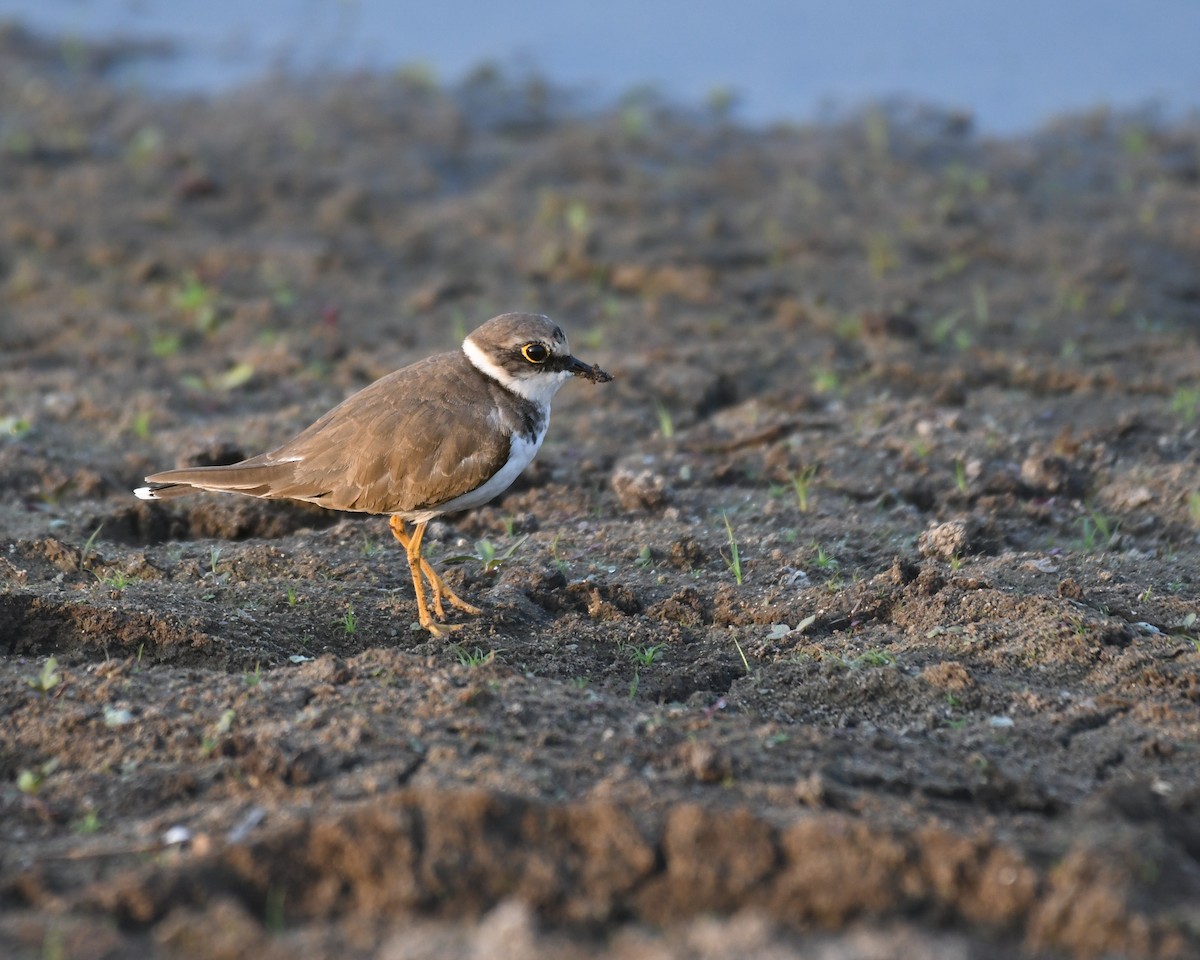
{"x":447,"y":433}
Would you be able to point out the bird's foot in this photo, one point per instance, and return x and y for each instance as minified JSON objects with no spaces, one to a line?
{"x":440,"y":591}
{"x":441,"y":630}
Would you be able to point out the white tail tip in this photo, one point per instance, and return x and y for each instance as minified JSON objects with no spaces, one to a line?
{"x":145,"y":493}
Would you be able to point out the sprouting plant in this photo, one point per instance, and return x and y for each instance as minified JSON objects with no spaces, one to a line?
{"x":960,"y":475}
{"x":734,"y":560}
{"x":117,"y":580}
{"x":742,"y":654}
{"x":165,"y":345}
{"x":645,"y":557}
{"x":826,"y":380}
{"x":802,"y":484}
{"x":15,"y":426}
{"x":47,"y":678}
{"x":1194,"y":507}
{"x":208,"y":743}
{"x":633,"y":685}
{"x":645,"y":655}
{"x":560,"y":562}
{"x":876,"y":658}
{"x":197,"y":301}
{"x":30,"y":782}
{"x":88,"y":544}
{"x":475,"y":657}
{"x":369,"y":548}
{"x":580,"y":683}
{"x":141,"y":424}
{"x":577,"y":217}
{"x":487,"y":556}
{"x":666,"y":425}
{"x":292,"y":598}
{"x":88,"y":823}
{"x":1096,"y":530}
{"x":956,"y":562}
{"x":214,"y":554}
{"x":252,"y":678}
{"x":509,"y":523}
{"x":1186,"y":403}
{"x":823,"y":559}
{"x":349,"y":621}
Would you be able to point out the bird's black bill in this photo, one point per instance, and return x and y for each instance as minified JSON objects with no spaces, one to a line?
{"x":590,"y":372}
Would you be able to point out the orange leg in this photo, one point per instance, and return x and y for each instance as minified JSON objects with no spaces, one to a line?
{"x":419,"y":566}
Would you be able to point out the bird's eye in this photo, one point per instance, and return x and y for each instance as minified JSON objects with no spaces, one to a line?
{"x":535,"y":352}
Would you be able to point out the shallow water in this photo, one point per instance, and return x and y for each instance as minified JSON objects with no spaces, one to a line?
{"x":1012,"y":66}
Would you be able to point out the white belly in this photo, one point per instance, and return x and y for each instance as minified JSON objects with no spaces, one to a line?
{"x":520,"y":455}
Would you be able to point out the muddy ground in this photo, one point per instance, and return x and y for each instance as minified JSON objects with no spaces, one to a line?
{"x":940,"y":393}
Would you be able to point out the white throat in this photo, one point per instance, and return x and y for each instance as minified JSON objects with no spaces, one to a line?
{"x":539,"y":389}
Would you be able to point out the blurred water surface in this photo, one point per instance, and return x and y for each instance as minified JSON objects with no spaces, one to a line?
{"x":1012,"y":65}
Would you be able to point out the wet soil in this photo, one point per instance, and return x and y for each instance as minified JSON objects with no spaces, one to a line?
{"x":857,"y":617}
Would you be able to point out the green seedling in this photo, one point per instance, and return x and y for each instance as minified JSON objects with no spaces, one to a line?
{"x":1186,"y":403}
{"x":734,"y":560}
{"x":560,"y":562}
{"x":645,"y":557}
{"x":876,"y":658}
{"x":210,"y":740}
{"x":47,"y":679}
{"x":1194,"y":507}
{"x":198,"y":302}
{"x":577,"y":217}
{"x":253,"y":677}
{"x":117,"y":580}
{"x":1096,"y":531}
{"x":88,"y":823}
{"x":487,"y":556}
{"x":292,"y":597}
{"x":826,"y":381}
{"x":960,"y":476}
{"x":475,"y":657}
{"x":164,"y":345}
{"x":16,"y":427}
{"x":742,"y":654}
{"x":645,"y":655}
{"x":349,"y":621}
{"x":823,"y":560}
{"x":88,"y":544}
{"x":802,"y":484}
{"x":29,"y":782}
{"x":141,"y":424}
{"x":666,"y":425}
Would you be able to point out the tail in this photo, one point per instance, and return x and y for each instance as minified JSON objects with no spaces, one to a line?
{"x":247,"y":478}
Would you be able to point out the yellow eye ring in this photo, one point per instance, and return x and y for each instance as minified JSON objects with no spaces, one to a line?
{"x":535,"y":352}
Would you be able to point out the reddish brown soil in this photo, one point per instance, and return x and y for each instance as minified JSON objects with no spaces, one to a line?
{"x":947,"y":705}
